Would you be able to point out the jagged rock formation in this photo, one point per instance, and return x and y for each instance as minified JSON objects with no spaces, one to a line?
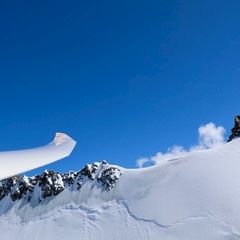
{"x":236,"y":129}
{"x":195,"y":196}
{"x":51,"y":183}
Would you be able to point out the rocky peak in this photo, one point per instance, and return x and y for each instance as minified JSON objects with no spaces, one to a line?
{"x":51,"y":183}
{"x":236,"y":129}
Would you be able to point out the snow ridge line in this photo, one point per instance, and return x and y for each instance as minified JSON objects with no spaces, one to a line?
{"x":131,"y":214}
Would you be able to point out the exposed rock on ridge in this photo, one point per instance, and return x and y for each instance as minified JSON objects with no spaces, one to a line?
{"x":51,"y":183}
{"x":236,"y":129}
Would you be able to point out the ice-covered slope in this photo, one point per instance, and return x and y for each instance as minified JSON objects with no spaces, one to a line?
{"x":195,"y":197}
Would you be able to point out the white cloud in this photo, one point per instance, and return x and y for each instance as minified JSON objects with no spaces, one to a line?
{"x":210,"y":136}
{"x":142,"y":161}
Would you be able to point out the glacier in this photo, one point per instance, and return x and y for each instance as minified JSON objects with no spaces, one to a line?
{"x":193,"y":197}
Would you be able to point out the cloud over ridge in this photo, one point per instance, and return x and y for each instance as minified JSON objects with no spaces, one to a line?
{"x":210,"y":136}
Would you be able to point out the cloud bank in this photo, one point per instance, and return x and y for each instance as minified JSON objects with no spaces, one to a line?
{"x":210,"y":136}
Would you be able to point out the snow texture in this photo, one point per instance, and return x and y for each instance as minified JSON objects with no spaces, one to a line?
{"x":195,"y":197}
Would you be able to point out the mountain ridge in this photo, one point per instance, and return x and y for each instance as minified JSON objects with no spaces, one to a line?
{"x":51,"y":183}
{"x":193,"y":197}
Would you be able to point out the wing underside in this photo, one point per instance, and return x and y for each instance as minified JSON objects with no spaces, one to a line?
{"x":16,"y":162}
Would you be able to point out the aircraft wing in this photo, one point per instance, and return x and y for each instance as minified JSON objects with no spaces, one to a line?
{"x":20,"y":161}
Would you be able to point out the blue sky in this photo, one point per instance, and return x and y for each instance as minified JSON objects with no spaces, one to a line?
{"x":124,"y":78}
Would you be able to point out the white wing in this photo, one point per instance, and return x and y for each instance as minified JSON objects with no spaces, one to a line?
{"x":16,"y":162}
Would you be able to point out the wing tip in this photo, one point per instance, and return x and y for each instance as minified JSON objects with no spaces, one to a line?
{"x":61,"y":138}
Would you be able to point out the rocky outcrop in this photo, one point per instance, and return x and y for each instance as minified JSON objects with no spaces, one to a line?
{"x":51,"y":183}
{"x":236,"y":129}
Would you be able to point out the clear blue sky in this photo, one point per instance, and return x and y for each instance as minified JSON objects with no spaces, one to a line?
{"x":124,"y":78}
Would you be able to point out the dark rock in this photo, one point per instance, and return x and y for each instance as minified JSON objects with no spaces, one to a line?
{"x":236,"y":129}
{"x":51,"y":183}
{"x":109,"y":177}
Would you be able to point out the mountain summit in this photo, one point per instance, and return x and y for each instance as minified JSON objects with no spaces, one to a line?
{"x":236,"y":129}
{"x":193,"y":197}
{"x":51,"y":183}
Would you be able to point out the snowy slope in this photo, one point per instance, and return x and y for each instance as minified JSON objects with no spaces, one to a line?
{"x":195,"y":197}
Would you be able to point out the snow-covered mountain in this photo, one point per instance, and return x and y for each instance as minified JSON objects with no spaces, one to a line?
{"x":195,"y":197}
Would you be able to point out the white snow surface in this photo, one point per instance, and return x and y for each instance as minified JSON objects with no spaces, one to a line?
{"x":16,"y":162}
{"x":196,"y":197}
